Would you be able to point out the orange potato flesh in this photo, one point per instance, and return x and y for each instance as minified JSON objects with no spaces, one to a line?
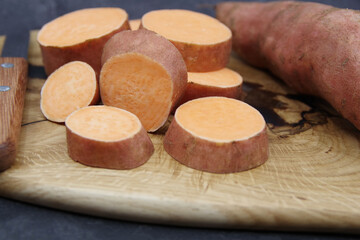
{"x":186,"y":26}
{"x":203,"y":41}
{"x":220,"y":119}
{"x":79,"y":26}
{"x":138,"y":84}
{"x":223,"y":78}
{"x":144,"y":73}
{"x":224,"y":82}
{"x":217,"y":134}
{"x":107,"y":137}
{"x":104,"y":123}
{"x":69,"y":88}
{"x":80,"y":36}
{"x":135,"y":24}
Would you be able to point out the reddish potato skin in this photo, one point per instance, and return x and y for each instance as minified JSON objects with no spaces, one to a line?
{"x":125,"y":154}
{"x":314,"y":48}
{"x":154,"y":46}
{"x":195,"y":90}
{"x":96,"y":98}
{"x":203,"y":58}
{"x":208,"y":156}
{"x":89,"y":51}
{"x":199,"y":58}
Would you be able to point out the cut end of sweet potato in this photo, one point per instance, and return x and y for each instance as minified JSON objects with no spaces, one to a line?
{"x":80,"y":26}
{"x":223,"y":78}
{"x":223,"y":83}
{"x":80,"y":36}
{"x":107,"y":137}
{"x":203,"y":41}
{"x":143,"y":73}
{"x":217,"y":134}
{"x":220,"y":119}
{"x":69,"y":88}
{"x":103,"y":123}
{"x":186,"y":26}
{"x":135,"y":24}
{"x":140,"y":85}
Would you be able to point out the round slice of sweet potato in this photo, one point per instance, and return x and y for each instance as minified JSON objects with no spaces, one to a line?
{"x":203,"y":41}
{"x":224,"y":82}
{"x":107,"y":137}
{"x":217,"y":134}
{"x":69,"y":88}
{"x":80,"y":35}
{"x":143,"y":73}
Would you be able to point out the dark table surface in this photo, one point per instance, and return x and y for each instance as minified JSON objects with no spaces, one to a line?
{"x":26,"y":221}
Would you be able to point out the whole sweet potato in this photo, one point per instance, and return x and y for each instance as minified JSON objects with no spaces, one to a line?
{"x":312,"y":47}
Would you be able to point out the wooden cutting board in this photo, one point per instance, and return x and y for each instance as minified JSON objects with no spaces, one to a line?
{"x":310,"y":182}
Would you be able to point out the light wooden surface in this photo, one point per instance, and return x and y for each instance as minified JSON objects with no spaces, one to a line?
{"x":2,"y":40}
{"x":310,"y":182}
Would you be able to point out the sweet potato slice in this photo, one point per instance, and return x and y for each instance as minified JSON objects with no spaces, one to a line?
{"x":107,"y":137}
{"x":69,"y":88}
{"x":144,"y":74}
{"x":80,"y":35}
{"x":135,"y":24}
{"x":217,"y":134}
{"x":224,"y":82}
{"x":203,"y":41}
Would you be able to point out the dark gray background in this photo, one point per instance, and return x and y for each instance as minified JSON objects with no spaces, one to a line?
{"x":25,"y":221}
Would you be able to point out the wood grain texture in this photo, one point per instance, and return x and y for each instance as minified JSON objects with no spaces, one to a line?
{"x":310,"y":182}
{"x":11,"y":107}
{"x":2,"y":41}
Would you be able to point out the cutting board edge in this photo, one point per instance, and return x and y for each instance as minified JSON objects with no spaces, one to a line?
{"x":154,"y":211}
